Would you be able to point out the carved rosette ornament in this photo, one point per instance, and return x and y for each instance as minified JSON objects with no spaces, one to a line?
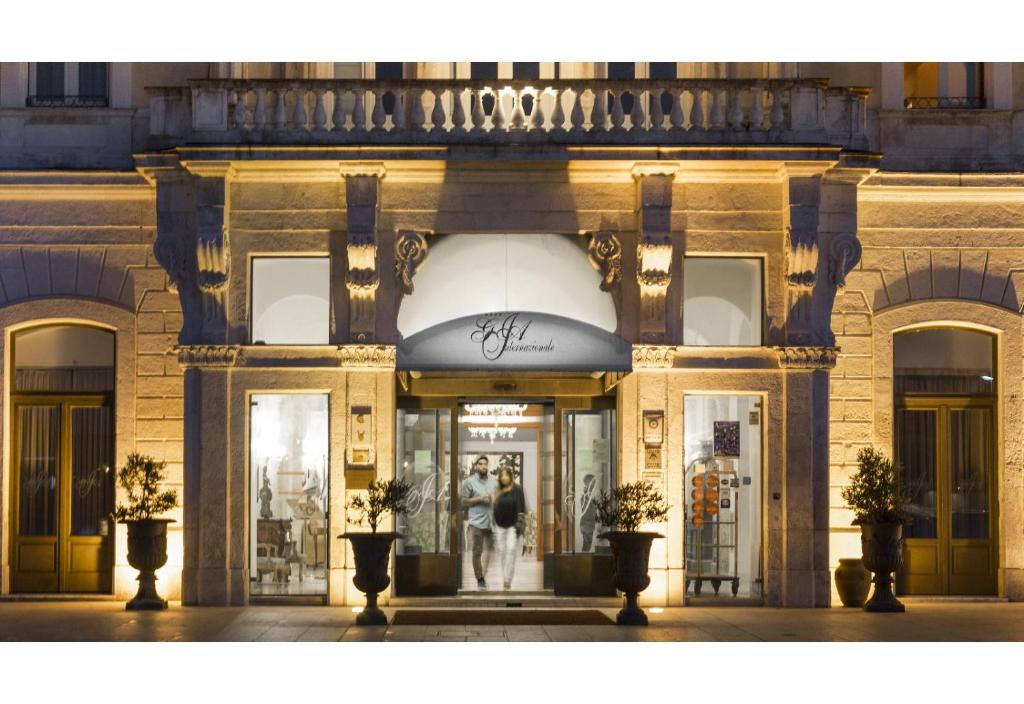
{"x":605,"y":253}
{"x":843,"y":254}
{"x":207,"y":355}
{"x":368,"y":356}
{"x":410,"y":253}
{"x":653,"y":356}
{"x":807,"y":357}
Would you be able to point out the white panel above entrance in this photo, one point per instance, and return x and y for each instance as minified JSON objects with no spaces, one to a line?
{"x":471,"y":274}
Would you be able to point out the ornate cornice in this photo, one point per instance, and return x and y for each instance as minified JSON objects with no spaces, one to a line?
{"x":807,"y":357}
{"x":653,"y":356}
{"x":368,"y":356}
{"x":207,"y":355}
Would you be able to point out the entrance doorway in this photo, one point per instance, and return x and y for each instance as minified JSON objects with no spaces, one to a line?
{"x":62,"y":449}
{"x":944,"y":440}
{"x":561,"y":453}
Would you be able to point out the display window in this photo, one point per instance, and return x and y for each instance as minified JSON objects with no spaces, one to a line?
{"x":291,"y":300}
{"x":723,"y":302}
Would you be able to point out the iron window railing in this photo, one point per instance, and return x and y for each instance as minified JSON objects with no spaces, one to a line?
{"x":67,"y":101}
{"x":944,"y":103}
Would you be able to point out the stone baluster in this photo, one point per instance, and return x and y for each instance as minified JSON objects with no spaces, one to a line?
{"x":736,"y":109}
{"x":557,"y":112}
{"x":618,"y":116}
{"x":537,"y":116}
{"x":280,"y":114}
{"x":657,"y":113}
{"x":697,"y":110}
{"x":675,"y":117}
{"x":338,"y":112}
{"x":458,"y":111}
{"x":518,"y":112}
{"x":398,"y":114}
{"x":239,"y":115}
{"x":359,"y":110}
{"x":377,"y":116}
{"x":498,"y":115}
{"x":576,"y":116}
{"x":416,"y":114}
{"x":478,"y":116}
{"x":319,"y":111}
{"x":259,"y":115}
{"x":757,"y":114}
{"x":717,"y":114}
{"x":598,"y":119}
{"x":437,"y":116}
{"x":636,"y":115}
{"x":777,"y":116}
{"x":299,"y":116}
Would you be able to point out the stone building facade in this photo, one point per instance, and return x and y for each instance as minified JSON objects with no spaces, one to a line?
{"x":751,"y":243}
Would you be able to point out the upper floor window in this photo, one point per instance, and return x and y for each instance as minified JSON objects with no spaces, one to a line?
{"x":291,"y":300}
{"x":722,"y":301}
{"x":79,"y":84}
{"x":943,"y":85}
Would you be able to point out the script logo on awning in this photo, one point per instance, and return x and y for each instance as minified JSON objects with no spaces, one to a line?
{"x":498,"y":334}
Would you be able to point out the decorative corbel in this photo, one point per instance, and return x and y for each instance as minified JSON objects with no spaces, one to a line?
{"x":843,"y":254}
{"x":212,"y":183}
{"x":410,"y":253}
{"x":654,"y":250}
{"x":362,"y":205}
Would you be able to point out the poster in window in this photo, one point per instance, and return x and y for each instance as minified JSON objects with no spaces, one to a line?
{"x":727,"y":438}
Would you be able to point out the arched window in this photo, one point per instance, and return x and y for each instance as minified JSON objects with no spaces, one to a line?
{"x":943,"y":360}
{"x":63,"y":359}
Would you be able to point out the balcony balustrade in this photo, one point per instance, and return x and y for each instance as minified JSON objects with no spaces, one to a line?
{"x":465,"y":112}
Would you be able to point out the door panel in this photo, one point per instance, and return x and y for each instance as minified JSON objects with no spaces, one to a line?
{"x":945,"y":446}
{"x":64,"y":495}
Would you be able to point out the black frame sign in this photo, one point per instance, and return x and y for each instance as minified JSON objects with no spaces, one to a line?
{"x":515,"y":341}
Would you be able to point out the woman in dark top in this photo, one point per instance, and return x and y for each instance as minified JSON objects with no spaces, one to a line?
{"x":509,"y":507}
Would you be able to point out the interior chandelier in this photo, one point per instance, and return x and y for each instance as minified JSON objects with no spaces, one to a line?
{"x":491,"y":432}
{"x":495,"y":409}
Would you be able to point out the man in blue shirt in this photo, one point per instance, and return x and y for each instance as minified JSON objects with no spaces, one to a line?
{"x":476,"y":494}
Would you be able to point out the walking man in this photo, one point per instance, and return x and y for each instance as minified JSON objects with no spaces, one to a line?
{"x":476,"y":495}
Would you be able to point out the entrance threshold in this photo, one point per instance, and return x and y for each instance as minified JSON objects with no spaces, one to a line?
{"x":501,"y":599}
{"x":64,"y":596}
{"x":288,"y":600}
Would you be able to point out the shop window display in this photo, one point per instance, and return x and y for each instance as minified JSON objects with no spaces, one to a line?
{"x":288,"y":513}
{"x":722,"y":493}
{"x":722,"y":302}
{"x":291,"y":300}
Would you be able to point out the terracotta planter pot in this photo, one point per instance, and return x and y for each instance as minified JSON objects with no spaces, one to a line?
{"x":882,"y":546}
{"x":371,"y":552}
{"x":853,"y":581}
{"x":632,"y":552}
{"x":147,"y":552}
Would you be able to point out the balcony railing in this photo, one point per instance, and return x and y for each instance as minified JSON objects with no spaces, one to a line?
{"x":944,"y":103}
{"x":325,"y":112}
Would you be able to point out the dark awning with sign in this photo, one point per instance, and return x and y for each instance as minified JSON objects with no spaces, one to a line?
{"x":515,"y":341}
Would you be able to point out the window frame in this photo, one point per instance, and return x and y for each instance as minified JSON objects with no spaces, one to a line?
{"x":70,"y":97}
{"x":252,"y":292}
{"x":762,"y":265}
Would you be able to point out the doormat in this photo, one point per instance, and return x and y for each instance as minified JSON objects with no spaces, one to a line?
{"x":500,"y":617}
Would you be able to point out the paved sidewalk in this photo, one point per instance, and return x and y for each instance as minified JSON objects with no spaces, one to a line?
{"x":108,"y":621}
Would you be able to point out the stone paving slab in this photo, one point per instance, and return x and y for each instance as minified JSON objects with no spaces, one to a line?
{"x":108,"y":621}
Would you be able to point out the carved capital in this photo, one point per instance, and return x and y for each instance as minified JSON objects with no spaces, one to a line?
{"x":823,"y":357}
{"x":605,"y":253}
{"x":207,"y":355}
{"x":653,"y":356}
{"x":410,"y":253}
{"x":368,"y":356}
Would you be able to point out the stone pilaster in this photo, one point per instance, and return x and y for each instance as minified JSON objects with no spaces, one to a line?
{"x":214,"y":511}
{"x":805,"y":577}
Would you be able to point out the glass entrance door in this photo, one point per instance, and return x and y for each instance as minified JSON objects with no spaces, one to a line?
{"x":64,"y":495}
{"x":945,"y":447}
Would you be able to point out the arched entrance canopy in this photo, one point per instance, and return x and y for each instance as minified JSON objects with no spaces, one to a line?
{"x":514,"y":341}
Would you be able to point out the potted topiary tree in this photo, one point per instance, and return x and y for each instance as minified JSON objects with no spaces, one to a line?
{"x":876,"y":496}
{"x":140,"y":477}
{"x":624,"y":510}
{"x":372,"y":550}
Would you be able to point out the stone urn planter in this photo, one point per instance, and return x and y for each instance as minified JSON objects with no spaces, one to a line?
{"x":853,"y":581}
{"x":371,"y":553}
{"x":147,"y":552}
{"x":631,"y":551}
{"x":882,"y":545}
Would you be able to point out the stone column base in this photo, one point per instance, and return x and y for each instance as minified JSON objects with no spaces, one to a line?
{"x":1013,"y":578}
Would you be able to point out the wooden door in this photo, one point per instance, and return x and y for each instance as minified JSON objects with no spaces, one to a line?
{"x":63,"y":494}
{"x":946,"y":448}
